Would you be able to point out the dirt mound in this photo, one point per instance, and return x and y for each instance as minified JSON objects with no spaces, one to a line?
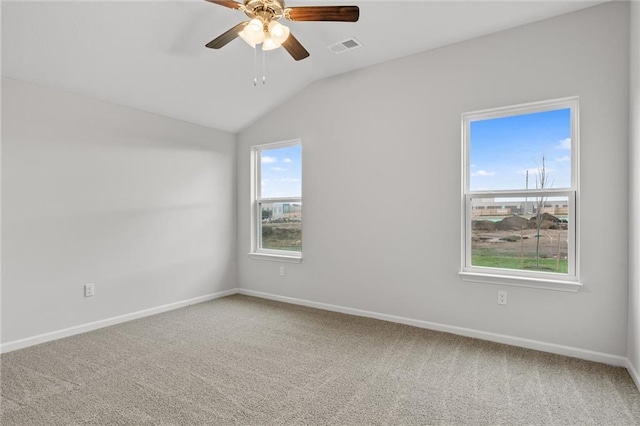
{"x":484,"y":225}
{"x":513,"y":223}
{"x":546,"y":217}
{"x":548,"y":221}
{"x":517,"y":223}
{"x":547,"y":224}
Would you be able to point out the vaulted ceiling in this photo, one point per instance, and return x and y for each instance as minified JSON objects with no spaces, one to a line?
{"x":151,"y":55}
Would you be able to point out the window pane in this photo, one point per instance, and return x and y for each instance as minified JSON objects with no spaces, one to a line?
{"x":281,"y":172}
{"x":520,"y":233}
{"x":281,"y":226}
{"x":507,"y":153}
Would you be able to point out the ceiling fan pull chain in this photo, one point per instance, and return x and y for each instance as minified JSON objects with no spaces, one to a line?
{"x":264,"y":67}
{"x":255,"y":67}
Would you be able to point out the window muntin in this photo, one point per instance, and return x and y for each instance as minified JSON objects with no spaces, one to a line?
{"x":520,"y":191}
{"x":277,"y":204}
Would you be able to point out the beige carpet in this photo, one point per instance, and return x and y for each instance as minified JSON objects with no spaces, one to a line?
{"x":241,"y":360}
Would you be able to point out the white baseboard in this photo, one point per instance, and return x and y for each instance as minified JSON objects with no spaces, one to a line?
{"x":633,"y":373}
{"x":588,"y":355}
{"x":59,"y":334}
{"x":468,"y":332}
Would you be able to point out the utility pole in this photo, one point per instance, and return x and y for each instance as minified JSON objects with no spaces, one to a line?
{"x":526,"y":199}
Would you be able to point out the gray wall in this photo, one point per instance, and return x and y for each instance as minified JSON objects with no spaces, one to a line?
{"x":141,"y":205}
{"x":381,"y":181}
{"x":634,"y":191}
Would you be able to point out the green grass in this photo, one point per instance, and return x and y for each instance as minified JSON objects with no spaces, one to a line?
{"x":282,"y":236}
{"x":489,"y":259}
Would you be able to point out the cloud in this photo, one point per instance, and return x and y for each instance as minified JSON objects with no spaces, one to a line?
{"x":563,"y":159}
{"x":278,"y":169}
{"x":287,"y":160}
{"x":289,"y":180}
{"x":481,"y":173}
{"x":564,"y":144}
{"x":269,"y":160}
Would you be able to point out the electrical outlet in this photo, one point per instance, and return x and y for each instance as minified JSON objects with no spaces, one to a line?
{"x":89,"y":290}
{"x":282,"y":271}
{"x":502,"y":298}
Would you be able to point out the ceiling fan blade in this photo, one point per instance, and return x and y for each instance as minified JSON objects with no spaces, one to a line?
{"x":323,"y":13}
{"x":228,"y":3}
{"x":295,"y":49}
{"x":228,"y":36}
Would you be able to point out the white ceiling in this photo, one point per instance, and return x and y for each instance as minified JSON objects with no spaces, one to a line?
{"x":150,"y":55}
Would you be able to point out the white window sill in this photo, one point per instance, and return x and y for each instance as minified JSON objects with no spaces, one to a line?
{"x":546,"y":284}
{"x":276,"y":257}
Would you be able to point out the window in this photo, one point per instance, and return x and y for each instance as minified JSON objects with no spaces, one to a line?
{"x":277,"y":201}
{"x":520,"y":195}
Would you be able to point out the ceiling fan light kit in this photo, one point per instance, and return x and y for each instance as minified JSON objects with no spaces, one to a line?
{"x":278,"y":32}
{"x":263,"y":26}
{"x":253,"y":33}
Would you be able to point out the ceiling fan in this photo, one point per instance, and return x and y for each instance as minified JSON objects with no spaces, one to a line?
{"x":263,"y":26}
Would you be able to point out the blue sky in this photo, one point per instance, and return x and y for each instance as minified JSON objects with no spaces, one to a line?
{"x":503,"y":149}
{"x":282,"y":172}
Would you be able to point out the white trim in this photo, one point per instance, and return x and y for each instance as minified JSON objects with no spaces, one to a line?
{"x":468,"y":332}
{"x":633,"y":373}
{"x":586,"y":354}
{"x":283,"y":144}
{"x":533,"y":193}
{"x":83,"y":328}
{"x":520,"y":281}
{"x":276,"y":257}
{"x":256,"y":196}
{"x":525,"y":108}
{"x":518,"y":277}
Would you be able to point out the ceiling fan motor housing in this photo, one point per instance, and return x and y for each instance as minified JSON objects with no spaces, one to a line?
{"x":266,"y":10}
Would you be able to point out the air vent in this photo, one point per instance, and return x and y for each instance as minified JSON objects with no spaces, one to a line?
{"x":343,"y":46}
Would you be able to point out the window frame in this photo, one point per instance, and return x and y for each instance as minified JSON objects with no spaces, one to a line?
{"x":537,"y":279}
{"x":257,"y":252}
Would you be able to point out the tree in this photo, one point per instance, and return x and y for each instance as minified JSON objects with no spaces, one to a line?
{"x":542,"y":182}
